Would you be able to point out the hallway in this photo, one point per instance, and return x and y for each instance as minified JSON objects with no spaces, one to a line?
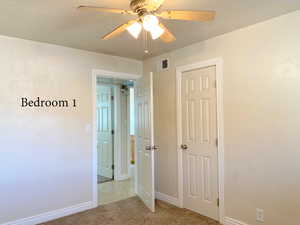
{"x":113,"y":191}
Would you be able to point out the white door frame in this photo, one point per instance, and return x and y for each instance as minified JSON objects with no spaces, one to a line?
{"x":108,"y":74}
{"x":218,"y":62}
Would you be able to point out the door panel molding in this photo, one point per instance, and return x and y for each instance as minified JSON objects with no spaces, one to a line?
{"x":104,"y":136}
{"x":144,"y":139}
{"x":218,"y":63}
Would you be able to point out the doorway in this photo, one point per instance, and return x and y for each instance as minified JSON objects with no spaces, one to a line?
{"x":115,"y":139}
{"x":141,"y":159}
{"x":200,"y":138}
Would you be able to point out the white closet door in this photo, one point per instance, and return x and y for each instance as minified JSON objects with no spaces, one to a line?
{"x":199,"y":136}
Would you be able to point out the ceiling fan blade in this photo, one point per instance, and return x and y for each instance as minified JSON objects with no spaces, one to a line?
{"x":154,"y":5}
{"x":109,"y":10}
{"x":118,"y":30}
{"x":167,"y":36}
{"x":187,"y":15}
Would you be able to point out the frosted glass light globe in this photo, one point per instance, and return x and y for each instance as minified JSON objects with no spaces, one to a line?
{"x":156,"y":32}
{"x":135,"y":29}
{"x":149,"y":22}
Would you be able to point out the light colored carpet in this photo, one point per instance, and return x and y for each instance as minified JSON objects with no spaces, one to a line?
{"x":133,"y":212}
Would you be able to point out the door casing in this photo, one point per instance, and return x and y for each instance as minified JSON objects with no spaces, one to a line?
{"x":106,"y":74}
{"x":218,"y":63}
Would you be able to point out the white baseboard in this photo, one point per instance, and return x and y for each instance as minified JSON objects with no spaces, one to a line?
{"x":167,"y":198}
{"x":52,"y":215}
{"x":230,"y":221}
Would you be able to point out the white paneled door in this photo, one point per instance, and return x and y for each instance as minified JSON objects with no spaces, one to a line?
{"x":104,"y":131}
{"x":199,"y":141}
{"x":145,"y":142}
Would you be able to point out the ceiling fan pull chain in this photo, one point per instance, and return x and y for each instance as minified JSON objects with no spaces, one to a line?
{"x":146,"y":49}
{"x":144,"y":38}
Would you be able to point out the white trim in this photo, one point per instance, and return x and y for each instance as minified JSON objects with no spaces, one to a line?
{"x":128,"y":135}
{"x":101,"y":73}
{"x":218,"y":62}
{"x":135,"y":143}
{"x":230,"y":221}
{"x":167,"y":198}
{"x":94,"y":141}
{"x":118,"y":75}
{"x":52,"y":215}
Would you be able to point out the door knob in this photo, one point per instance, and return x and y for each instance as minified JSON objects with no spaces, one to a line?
{"x":148,"y":148}
{"x":155,"y":147}
{"x":184,"y":147}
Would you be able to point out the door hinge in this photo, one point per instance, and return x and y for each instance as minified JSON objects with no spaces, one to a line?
{"x":215,"y":84}
{"x":218,"y":202}
{"x":112,"y":166}
{"x":112,"y":132}
{"x":217,"y":142}
{"x":112,"y":98}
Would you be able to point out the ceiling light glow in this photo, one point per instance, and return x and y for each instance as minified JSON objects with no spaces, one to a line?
{"x":156,"y":32}
{"x":151,"y":24}
{"x":135,"y":29}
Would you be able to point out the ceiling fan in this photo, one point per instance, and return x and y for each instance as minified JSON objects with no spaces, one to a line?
{"x":148,"y":12}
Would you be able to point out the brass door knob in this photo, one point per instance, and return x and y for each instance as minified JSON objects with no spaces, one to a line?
{"x":184,"y":147}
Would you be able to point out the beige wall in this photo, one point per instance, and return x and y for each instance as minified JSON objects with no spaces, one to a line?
{"x":46,"y":154}
{"x":261,"y":113}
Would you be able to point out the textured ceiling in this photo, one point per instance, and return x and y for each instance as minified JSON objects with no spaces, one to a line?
{"x":58,"y":22}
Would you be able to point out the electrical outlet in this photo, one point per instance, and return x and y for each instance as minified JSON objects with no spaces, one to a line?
{"x":260,"y":215}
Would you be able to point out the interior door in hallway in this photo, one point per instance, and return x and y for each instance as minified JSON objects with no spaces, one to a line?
{"x":104,"y":131}
{"x":145,"y":140}
{"x":199,"y":141}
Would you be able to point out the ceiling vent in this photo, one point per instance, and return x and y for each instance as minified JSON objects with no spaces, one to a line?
{"x":164,"y":64}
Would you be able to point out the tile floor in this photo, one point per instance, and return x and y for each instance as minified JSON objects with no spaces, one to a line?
{"x":102,"y":179}
{"x":114,"y":191}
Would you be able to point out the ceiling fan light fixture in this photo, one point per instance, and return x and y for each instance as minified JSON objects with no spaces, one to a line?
{"x":156,"y":2}
{"x":156,"y":32}
{"x":148,"y":12}
{"x":135,"y":29}
{"x":150,"y":21}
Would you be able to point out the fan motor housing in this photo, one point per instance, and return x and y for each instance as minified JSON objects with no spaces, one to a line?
{"x":142,"y":6}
